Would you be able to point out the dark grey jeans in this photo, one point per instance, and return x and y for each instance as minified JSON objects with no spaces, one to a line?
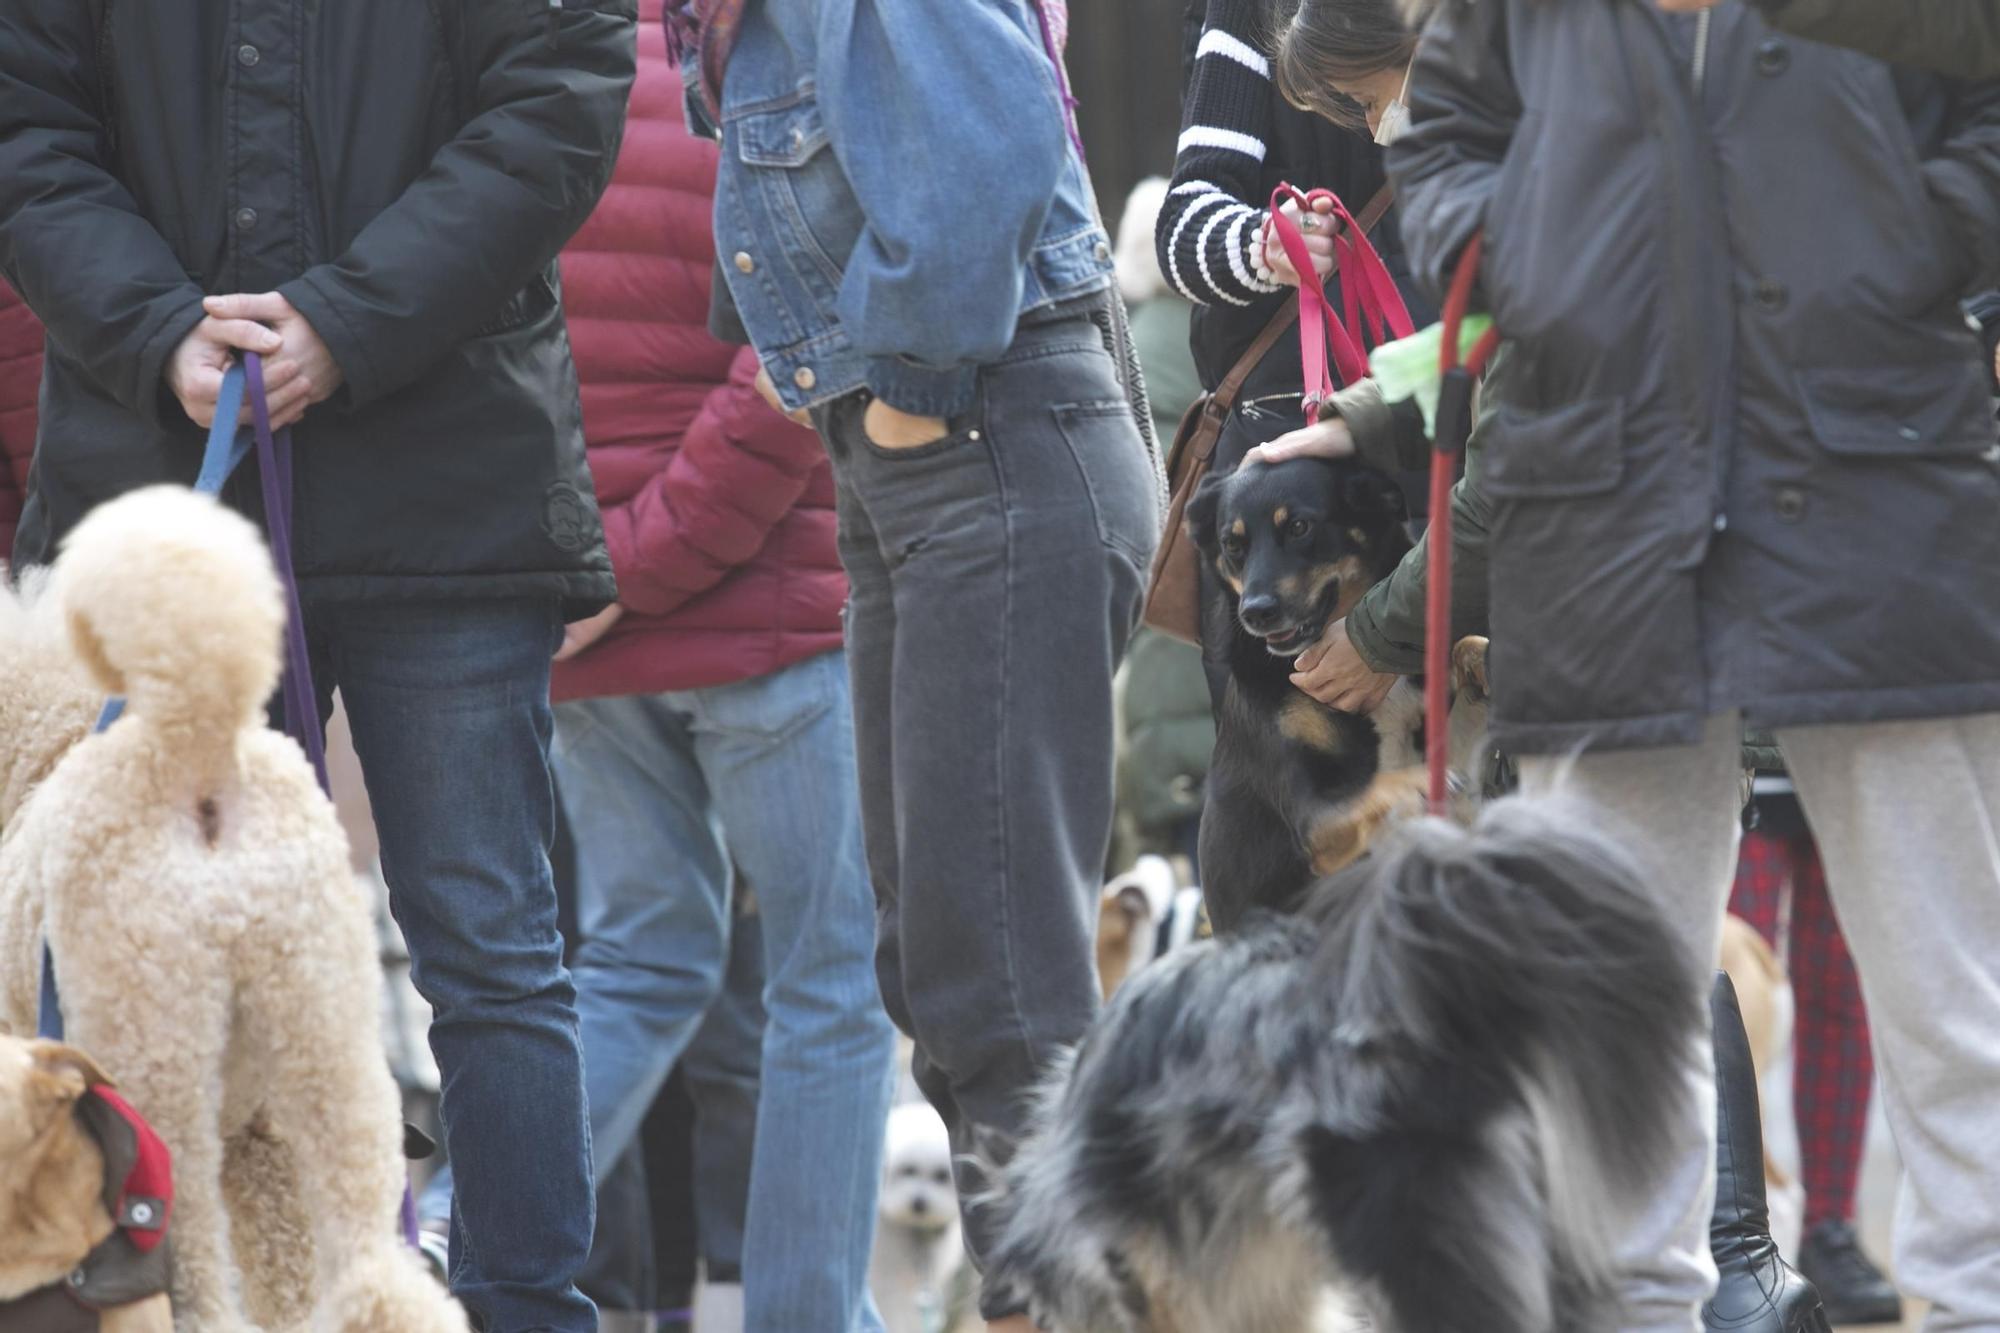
{"x":996,"y":578}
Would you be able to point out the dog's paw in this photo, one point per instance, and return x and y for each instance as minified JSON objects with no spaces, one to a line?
{"x":1468,"y":669}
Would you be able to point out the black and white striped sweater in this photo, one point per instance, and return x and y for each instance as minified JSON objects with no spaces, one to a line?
{"x":1213,"y":251}
{"x":1239,"y":139}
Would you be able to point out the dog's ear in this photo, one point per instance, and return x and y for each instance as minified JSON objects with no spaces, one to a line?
{"x":1202,"y":510}
{"x":1369,"y":494}
{"x":57,"y":1080}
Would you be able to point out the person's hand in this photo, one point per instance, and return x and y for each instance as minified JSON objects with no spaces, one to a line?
{"x":319,"y":375}
{"x":1329,"y":439}
{"x":1316,"y":226}
{"x":1687,"y":6}
{"x":888,"y":428}
{"x":581,"y":635}
{"x":1332,"y":672}
{"x":194,"y":372}
{"x":769,"y":393}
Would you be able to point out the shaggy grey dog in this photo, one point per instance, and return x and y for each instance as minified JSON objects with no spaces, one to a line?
{"x":1425,"y":1099}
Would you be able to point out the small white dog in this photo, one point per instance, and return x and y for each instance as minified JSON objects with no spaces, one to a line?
{"x":918,"y":1251}
{"x":215,"y":954}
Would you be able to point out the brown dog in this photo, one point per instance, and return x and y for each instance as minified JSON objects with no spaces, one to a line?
{"x":52,"y":1201}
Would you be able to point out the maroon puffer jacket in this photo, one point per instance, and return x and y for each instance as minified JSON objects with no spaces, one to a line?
{"x":718,"y":512}
{"x":20,"y":384}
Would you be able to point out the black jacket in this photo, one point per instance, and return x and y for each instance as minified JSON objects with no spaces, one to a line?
{"x":1742,"y":454}
{"x":405,"y":173}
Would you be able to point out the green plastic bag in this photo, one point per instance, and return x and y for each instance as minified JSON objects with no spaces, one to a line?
{"x":1408,"y":367}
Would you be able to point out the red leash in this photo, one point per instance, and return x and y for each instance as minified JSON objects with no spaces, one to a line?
{"x":1373,"y":309}
{"x":1454,"y":428}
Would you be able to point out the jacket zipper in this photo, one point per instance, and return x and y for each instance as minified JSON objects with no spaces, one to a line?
{"x":555,"y":8}
{"x":1688,"y":364}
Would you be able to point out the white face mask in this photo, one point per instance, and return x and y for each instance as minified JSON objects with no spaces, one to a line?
{"x":1395,"y":117}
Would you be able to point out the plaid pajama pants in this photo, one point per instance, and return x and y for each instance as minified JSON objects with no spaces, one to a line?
{"x":1833,"y":1068}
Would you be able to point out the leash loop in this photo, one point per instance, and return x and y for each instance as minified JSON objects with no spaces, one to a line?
{"x":1372,"y":309}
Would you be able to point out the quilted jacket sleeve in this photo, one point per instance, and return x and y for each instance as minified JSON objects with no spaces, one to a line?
{"x":496,"y":205}
{"x":20,"y":380}
{"x":738,"y":472}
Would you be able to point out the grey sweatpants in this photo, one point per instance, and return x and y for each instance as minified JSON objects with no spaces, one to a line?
{"x":996,"y":577}
{"x":1907,"y":816}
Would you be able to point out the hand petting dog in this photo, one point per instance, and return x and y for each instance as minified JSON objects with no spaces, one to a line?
{"x":1333,"y":672}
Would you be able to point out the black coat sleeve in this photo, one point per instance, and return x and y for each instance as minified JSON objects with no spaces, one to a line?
{"x":1963,"y":176}
{"x":496,"y":204}
{"x":72,"y":240}
{"x":1463,"y":112}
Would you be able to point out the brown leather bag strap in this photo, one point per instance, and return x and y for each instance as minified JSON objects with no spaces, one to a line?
{"x":1225,"y":393}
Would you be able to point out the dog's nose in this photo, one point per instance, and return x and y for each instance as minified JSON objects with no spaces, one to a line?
{"x":1259,"y":613}
{"x":920,"y":1205}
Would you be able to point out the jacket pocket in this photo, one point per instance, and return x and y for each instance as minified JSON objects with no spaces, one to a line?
{"x":786,"y":137}
{"x":798,"y":185}
{"x":523,"y":308}
{"x":1940,"y":409}
{"x":1565,"y":453}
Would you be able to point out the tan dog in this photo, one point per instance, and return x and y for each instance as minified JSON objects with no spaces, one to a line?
{"x":214,"y":951}
{"x":52,"y":1189}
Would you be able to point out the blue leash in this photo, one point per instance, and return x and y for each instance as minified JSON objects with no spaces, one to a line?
{"x":227,"y":448}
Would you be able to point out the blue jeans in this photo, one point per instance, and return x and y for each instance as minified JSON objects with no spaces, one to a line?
{"x":653,"y":786}
{"x":450,"y":712}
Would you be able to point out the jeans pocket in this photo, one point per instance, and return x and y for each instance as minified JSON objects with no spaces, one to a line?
{"x":771,"y":709}
{"x":960,"y":430}
{"x":1110,"y":454}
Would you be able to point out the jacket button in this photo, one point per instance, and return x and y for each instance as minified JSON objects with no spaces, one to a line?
{"x":744,"y":263}
{"x":1911,"y":433}
{"x":1770,"y":295}
{"x":798,"y":139}
{"x":1103,"y":250}
{"x":248,"y":56}
{"x":246,"y":218}
{"x":1791,"y":504}
{"x":804,"y":377}
{"x":1773,"y":58}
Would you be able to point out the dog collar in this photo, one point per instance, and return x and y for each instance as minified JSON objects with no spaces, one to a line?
{"x":132,"y":1263}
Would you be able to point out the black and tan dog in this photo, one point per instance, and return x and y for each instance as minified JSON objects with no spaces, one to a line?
{"x":1296,"y":789}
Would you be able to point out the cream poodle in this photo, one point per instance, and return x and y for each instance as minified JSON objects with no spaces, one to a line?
{"x":215,"y":953}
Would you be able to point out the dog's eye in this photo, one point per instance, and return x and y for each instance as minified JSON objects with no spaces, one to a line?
{"x":1297,"y":528}
{"x":941,"y":1177}
{"x":1234,"y":545}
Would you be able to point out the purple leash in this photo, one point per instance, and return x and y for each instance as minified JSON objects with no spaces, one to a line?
{"x":274,"y":464}
{"x":302,"y":724}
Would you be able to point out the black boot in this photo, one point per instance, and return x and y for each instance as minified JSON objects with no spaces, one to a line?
{"x":1760,"y":1293}
{"x":1852,"y":1286}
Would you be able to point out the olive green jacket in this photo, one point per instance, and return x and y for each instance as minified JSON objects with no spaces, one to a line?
{"x":1387,"y":626}
{"x":1956,"y":37}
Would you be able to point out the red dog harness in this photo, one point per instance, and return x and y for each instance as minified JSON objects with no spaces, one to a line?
{"x":132,"y":1263}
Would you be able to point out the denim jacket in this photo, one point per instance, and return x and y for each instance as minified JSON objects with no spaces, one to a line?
{"x":897,"y":188}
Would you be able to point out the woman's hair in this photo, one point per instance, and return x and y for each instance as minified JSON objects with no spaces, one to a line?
{"x":1345,"y":40}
